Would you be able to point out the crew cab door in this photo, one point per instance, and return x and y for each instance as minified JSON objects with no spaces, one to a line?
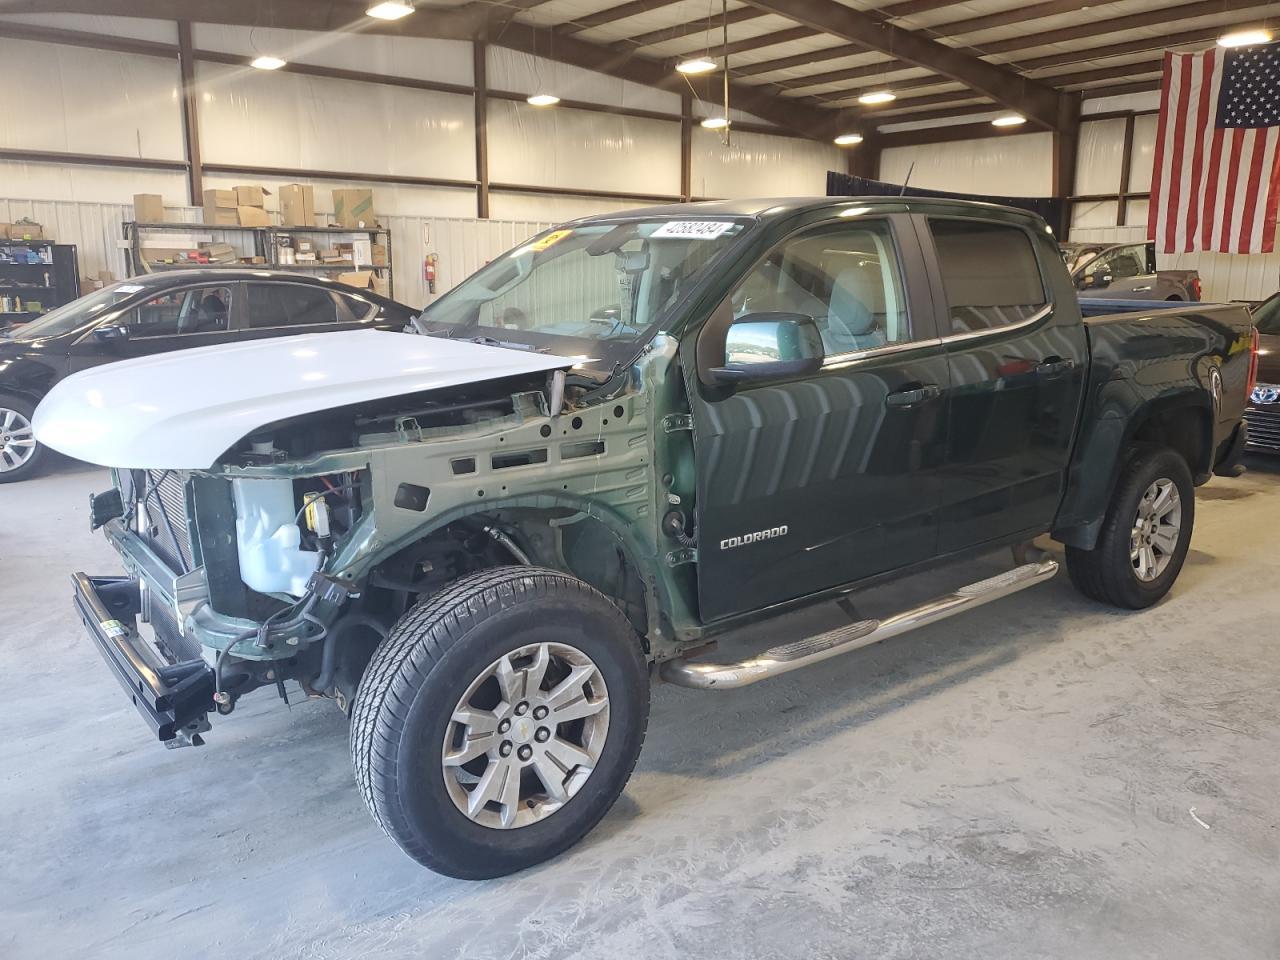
{"x":1018,"y":357}
{"x":809,"y":483}
{"x":1124,"y":273}
{"x":199,"y":315}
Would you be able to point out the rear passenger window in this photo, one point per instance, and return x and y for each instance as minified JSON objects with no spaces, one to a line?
{"x":989,"y":272}
{"x":288,"y":305}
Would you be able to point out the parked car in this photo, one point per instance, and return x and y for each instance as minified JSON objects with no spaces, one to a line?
{"x":1127,"y":271}
{"x":609,"y":448}
{"x":1263,"y":413}
{"x":175,"y":310}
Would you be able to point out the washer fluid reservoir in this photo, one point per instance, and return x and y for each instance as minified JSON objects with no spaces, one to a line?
{"x":268,"y":539}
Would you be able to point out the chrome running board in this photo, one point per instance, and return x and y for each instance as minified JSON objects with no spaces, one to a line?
{"x":823,"y":646}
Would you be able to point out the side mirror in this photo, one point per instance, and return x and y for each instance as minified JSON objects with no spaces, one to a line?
{"x":112,"y":331}
{"x":770,"y":346}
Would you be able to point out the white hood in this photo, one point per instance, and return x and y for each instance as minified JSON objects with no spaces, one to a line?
{"x":182,"y":410}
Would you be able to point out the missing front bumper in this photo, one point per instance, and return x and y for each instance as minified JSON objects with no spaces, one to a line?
{"x":174,"y":698}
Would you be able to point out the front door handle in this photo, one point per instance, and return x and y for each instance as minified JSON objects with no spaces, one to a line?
{"x":1146,"y":289}
{"x":913,"y":396}
{"x":1054,"y":366}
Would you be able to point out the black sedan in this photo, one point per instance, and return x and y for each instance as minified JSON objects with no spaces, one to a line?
{"x":162,"y":312}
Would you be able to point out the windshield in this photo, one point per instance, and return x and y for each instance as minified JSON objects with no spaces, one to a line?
{"x":1267,"y":317}
{"x":76,"y":313}
{"x":593,"y":290}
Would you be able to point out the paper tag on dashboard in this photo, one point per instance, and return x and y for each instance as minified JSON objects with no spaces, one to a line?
{"x":693,"y":229}
{"x":129,"y":288}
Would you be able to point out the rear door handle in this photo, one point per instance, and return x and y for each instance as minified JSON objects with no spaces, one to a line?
{"x":913,"y":396}
{"x":1054,"y":367}
{"x":1146,"y":289}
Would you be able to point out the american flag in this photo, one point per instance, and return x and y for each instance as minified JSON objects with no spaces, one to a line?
{"x":1216,"y":182}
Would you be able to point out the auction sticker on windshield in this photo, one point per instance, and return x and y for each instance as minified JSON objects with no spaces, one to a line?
{"x":693,"y":229}
{"x":551,"y":238}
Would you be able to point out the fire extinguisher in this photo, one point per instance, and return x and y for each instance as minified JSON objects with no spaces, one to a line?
{"x":429,"y":271}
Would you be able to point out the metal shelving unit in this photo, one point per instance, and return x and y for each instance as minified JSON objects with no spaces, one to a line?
{"x":266,"y":243}
{"x":52,"y":281}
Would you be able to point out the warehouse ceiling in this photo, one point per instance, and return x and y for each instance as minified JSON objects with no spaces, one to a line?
{"x":803,"y":64}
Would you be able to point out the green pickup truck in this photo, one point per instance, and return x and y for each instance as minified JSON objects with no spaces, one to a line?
{"x":605,"y":451}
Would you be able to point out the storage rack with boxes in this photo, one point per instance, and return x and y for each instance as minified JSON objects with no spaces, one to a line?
{"x":36,"y":274}
{"x":237,"y":230}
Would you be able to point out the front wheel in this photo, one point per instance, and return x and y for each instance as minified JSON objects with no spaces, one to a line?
{"x":499,"y":721}
{"x":20,"y":455}
{"x":1145,"y":536}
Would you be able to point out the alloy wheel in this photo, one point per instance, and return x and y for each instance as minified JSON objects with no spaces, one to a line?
{"x":526,"y":735}
{"x":17,"y":440}
{"x":1156,"y":530}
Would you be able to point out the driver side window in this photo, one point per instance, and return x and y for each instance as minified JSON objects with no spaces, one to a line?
{"x":845,"y":277}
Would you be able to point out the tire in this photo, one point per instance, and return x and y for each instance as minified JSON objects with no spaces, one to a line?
{"x":20,"y":455}
{"x":1109,"y":573}
{"x":426,"y":669}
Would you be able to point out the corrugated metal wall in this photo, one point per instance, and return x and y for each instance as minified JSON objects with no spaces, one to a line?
{"x":463,"y":245}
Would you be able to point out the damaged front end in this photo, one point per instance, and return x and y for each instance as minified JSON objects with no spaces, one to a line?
{"x":294,"y":556}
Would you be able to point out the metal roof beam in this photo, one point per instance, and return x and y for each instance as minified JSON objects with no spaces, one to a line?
{"x":1041,"y":104}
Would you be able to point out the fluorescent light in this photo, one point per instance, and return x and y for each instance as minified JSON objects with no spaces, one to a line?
{"x":715,"y":123}
{"x":1245,"y":38}
{"x":848,"y":139}
{"x":878,"y":96}
{"x":544,"y":99}
{"x":1009,"y":120}
{"x":268,"y":63}
{"x":696,"y":65}
{"x":389,"y":10}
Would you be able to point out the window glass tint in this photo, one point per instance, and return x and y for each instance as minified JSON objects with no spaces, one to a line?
{"x":1123,"y":263}
{"x":989,"y":273}
{"x":288,"y":305}
{"x":353,"y":308}
{"x":846,"y":278}
{"x":202,"y":310}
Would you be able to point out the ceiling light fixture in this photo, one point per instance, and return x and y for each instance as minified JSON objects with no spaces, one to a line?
{"x":848,"y":139}
{"x":877,"y":96}
{"x":544,"y":100}
{"x":267,"y":63}
{"x":389,"y":10}
{"x":1009,"y":120}
{"x":1245,"y":38}
{"x":696,"y":65}
{"x":715,"y":123}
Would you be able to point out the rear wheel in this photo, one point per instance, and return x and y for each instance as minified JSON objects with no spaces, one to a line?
{"x":500,"y":721}
{"x":20,"y":455}
{"x":1145,"y":536}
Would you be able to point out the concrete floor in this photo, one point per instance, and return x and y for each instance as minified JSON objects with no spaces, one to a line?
{"x":1040,"y":778}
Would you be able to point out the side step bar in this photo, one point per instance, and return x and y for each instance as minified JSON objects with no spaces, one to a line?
{"x":823,"y":646}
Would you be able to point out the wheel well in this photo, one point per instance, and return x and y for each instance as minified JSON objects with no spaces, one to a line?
{"x":561,"y":538}
{"x":1184,"y":429}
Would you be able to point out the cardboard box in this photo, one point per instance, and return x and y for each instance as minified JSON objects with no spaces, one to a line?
{"x":221,"y":217}
{"x":358,"y":278}
{"x":378,"y":254}
{"x":4,"y":230}
{"x":148,"y":208}
{"x":26,"y":231}
{"x":253,"y":217}
{"x":298,"y":205}
{"x":219,"y":252}
{"x":353,"y":208}
{"x":220,"y":208}
{"x":381,"y":286}
{"x":251,"y":196}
